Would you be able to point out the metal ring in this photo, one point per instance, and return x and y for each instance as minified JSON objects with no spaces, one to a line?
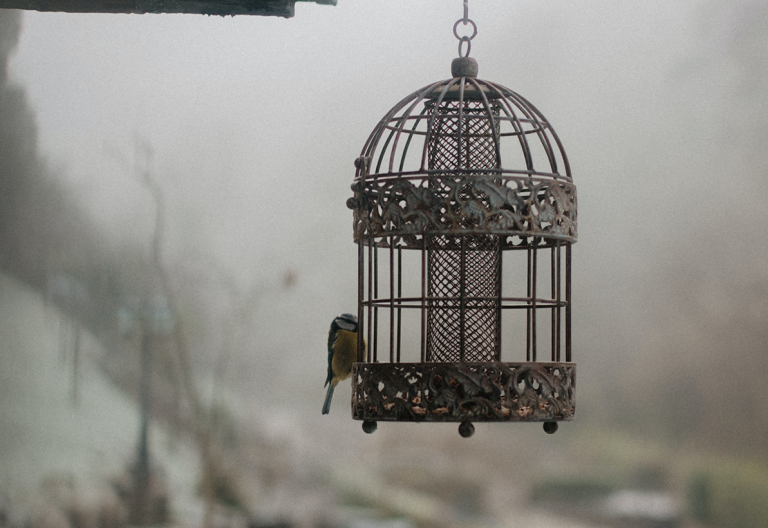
{"x":462,"y":40}
{"x":456,"y":25}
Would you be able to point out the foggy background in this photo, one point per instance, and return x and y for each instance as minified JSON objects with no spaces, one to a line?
{"x":243,"y":132}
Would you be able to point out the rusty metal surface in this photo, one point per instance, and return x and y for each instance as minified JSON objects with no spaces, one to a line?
{"x":469,"y":180}
{"x":458,"y":392}
{"x":281,"y":8}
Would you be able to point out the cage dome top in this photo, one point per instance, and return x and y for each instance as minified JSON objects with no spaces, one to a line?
{"x":464,"y":156}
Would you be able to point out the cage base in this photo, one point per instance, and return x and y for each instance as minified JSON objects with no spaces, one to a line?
{"x":460,"y":392}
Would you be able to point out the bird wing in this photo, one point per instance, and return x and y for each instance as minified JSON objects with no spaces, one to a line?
{"x":332,"y":334}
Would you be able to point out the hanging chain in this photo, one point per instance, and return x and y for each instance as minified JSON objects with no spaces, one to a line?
{"x":466,"y":39}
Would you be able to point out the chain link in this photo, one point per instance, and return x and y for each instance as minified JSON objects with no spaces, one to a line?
{"x":465,"y":39}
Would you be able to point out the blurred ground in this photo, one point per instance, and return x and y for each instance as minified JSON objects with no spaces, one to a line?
{"x":70,"y":432}
{"x":66,"y":429}
{"x":62,"y":423}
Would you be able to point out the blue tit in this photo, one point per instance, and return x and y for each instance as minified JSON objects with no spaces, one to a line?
{"x":342,"y":352}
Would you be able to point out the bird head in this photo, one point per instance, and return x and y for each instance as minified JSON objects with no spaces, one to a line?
{"x":346,"y":322}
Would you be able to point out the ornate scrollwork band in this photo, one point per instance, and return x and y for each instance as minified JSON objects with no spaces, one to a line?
{"x":469,"y":204}
{"x":457,"y":392}
{"x":464,"y":205}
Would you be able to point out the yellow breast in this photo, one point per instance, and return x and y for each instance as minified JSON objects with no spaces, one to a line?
{"x":344,"y":354}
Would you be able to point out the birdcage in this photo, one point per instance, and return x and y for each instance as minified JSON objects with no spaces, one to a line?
{"x":464,"y":217}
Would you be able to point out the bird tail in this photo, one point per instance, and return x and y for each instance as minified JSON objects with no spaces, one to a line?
{"x":328,"y":396}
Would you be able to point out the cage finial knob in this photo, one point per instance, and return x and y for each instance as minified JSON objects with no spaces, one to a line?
{"x":464,"y":67}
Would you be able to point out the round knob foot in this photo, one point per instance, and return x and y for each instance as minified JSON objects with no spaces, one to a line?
{"x":369,"y":426}
{"x":550,"y":427}
{"x":466,"y":429}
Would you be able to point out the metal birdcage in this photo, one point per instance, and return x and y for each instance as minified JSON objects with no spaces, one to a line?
{"x":464,"y":216}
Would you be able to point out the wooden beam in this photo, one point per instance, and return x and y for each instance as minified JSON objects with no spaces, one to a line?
{"x":281,"y":8}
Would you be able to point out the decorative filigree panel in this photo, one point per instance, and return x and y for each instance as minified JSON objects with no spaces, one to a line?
{"x":458,"y":392}
{"x":467,"y":205}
